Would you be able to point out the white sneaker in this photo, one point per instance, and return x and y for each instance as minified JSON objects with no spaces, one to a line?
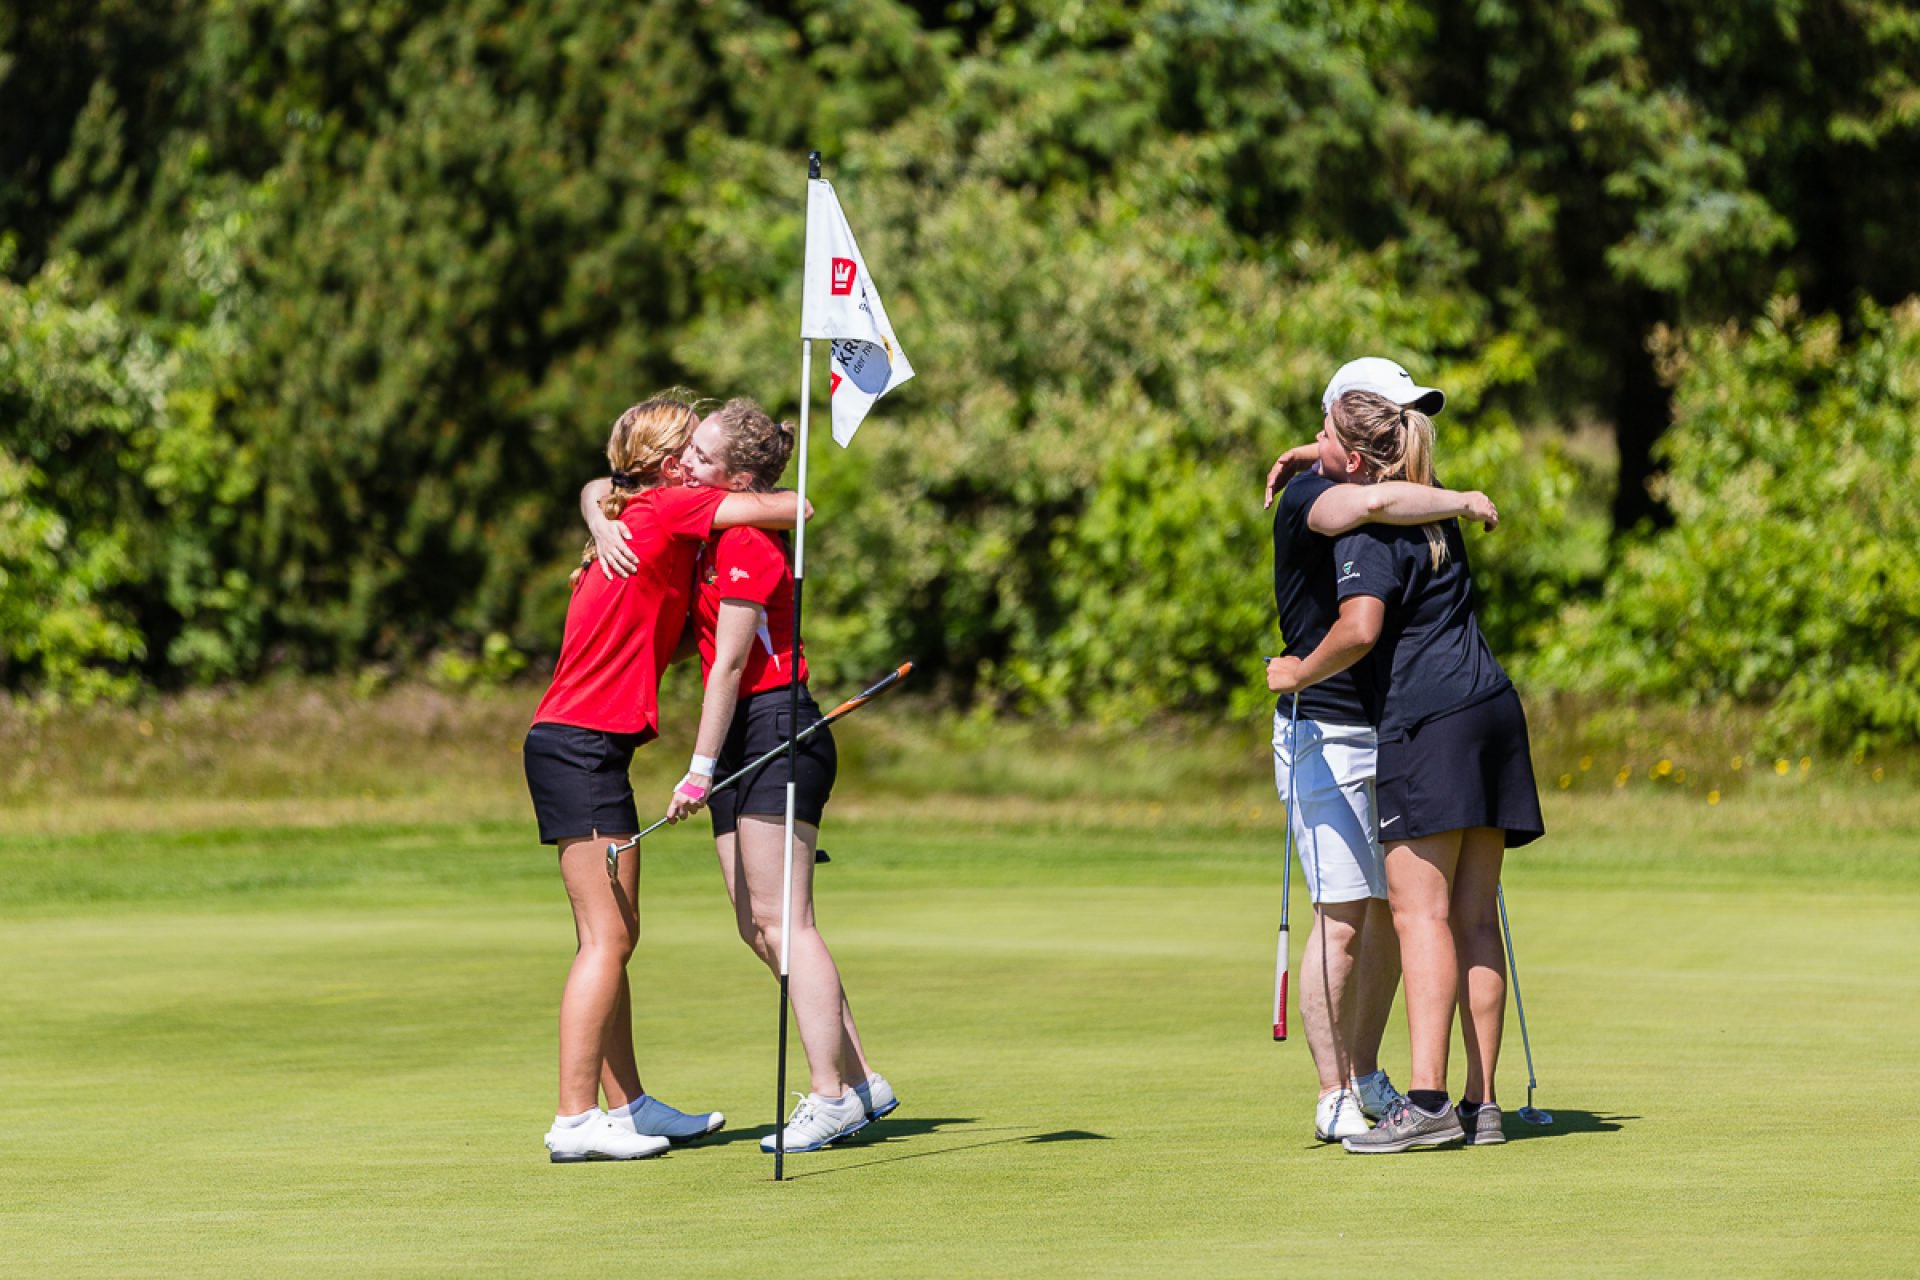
{"x":1377,"y":1094}
{"x":600,"y":1139}
{"x":876,"y":1095}
{"x":817,"y":1121}
{"x":652,"y":1116}
{"x":1337,"y":1116}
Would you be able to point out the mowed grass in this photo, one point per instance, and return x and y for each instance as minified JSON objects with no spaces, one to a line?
{"x":327,"y":1048}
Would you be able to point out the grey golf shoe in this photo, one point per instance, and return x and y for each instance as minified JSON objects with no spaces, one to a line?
{"x":1376,"y":1093}
{"x":1406,"y":1126}
{"x":1482,"y":1124}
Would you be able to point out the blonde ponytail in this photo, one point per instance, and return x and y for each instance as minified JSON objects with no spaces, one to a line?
{"x":1395,"y":442}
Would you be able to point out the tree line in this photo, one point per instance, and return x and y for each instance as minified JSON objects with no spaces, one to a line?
{"x":313,"y":319}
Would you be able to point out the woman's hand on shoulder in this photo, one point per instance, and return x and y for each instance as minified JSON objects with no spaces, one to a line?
{"x":610,"y":538}
{"x":689,"y":797}
{"x":1283,"y":675}
{"x":1287,"y":466}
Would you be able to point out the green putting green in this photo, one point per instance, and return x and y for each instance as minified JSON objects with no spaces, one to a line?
{"x":240,"y":1046}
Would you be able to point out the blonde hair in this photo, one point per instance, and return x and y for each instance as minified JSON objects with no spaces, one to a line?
{"x":643,"y":438}
{"x":755,"y":443}
{"x":1395,"y":442}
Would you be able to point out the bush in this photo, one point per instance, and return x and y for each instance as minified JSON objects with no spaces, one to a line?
{"x":1792,"y":572}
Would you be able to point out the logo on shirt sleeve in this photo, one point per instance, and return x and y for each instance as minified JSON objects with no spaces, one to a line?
{"x":1346,"y":572}
{"x":738,"y":573}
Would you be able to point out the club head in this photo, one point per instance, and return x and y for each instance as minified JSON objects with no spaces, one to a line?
{"x":613,"y":861}
{"x":1534,"y":1115}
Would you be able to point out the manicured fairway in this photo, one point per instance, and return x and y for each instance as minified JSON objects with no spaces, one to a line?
{"x":326,"y":1047}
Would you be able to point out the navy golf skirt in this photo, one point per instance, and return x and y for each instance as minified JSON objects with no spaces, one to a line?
{"x":762,"y":722}
{"x":1471,"y":767}
{"x":578,"y":780}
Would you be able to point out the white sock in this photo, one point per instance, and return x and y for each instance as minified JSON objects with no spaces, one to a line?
{"x":624,"y":1116}
{"x":574,"y":1122}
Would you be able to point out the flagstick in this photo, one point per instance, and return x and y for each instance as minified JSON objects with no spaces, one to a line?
{"x":793,"y":742}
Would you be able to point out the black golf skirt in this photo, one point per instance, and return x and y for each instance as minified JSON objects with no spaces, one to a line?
{"x":762,"y":722}
{"x":578,"y":780}
{"x":1467,"y":768}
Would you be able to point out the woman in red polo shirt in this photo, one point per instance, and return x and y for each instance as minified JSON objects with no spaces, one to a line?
{"x":601,"y":706}
{"x":743,"y":614}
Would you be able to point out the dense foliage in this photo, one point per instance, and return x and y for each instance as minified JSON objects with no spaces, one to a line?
{"x":314,"y":317}
{"x":1792,"y":572}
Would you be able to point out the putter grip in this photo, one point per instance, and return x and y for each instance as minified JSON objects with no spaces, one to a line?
{"x":1280,"y":986}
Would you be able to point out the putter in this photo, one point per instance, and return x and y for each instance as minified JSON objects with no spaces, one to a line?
{"x":1529,"y":1113}
{"x":1286,"y":879}
{"x":886,"y":682}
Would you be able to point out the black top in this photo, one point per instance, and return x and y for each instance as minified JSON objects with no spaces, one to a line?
{"x":1303,"y":593}
{"x":1431,"y":657}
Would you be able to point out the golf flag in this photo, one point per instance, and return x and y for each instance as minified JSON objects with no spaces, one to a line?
{"x":841,"y":305}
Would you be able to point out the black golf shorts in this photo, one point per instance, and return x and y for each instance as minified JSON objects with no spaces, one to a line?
{"x":578,"y":780}
{"x":1466,"y":768}
{"x":762,"y":722}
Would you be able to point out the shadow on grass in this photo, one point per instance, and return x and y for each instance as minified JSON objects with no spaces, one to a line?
{"x":883,"y":1134}
{"x":1565,"y":1120}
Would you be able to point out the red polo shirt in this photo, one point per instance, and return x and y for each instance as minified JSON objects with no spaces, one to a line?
{"x":621,"y":633}
{"x":750,"y":564}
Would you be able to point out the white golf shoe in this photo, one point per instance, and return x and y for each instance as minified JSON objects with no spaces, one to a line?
{"x":876,"y":1096}
{"x":1377,"y":1094}
{"x":818,"y":1121}
{"x":600,"y":1138}
{"x":1337,"y":1116}
{"x":649,"y":1115}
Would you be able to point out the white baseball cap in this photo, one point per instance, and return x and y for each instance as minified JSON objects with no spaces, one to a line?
{"x":1383,"y":377}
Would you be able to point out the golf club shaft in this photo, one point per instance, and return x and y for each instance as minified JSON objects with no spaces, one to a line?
{"x":892,"y":678}
{"x":1520,"y":1006}
{"x":1286,"y":877}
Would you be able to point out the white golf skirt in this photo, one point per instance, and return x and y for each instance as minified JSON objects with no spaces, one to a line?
{"x":1324,"y":773}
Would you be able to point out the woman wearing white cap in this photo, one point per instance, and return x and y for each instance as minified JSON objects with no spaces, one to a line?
{"x":1324,"y":758}
{"x":1455,"y":786}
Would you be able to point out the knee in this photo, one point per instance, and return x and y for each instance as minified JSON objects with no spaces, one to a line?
{"x":764,"y":937}
{"x":1412,"y":914}
{"x":614,"y":951}
{"x":1339,"y":929}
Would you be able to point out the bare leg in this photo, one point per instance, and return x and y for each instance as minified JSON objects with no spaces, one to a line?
{"x":756,"y":859}
{"x":607,"y":926}
{"x":1420,"y":886}
{"x":619,"y":1066}
{"x":1376,"y":979}
{"x":1327,"y":988}
{"x":853,"y":1036}
{"x":1483,"y":961}
{"x":727,"y":849}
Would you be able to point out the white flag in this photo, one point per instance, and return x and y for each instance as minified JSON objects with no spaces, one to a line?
{"x":840,"y":304}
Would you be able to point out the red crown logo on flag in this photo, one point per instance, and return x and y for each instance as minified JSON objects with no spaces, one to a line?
{"x":842,"y":277}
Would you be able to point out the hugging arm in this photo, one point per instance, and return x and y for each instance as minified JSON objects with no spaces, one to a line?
{"x":1348,"y":506}
{"x":1350,"y":639}
{"x":610,"y":537}
{"x":761,"y":510}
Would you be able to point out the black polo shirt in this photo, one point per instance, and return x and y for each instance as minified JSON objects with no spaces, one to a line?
{"x":1303,"y":592}
{"x":1431,"y":658}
